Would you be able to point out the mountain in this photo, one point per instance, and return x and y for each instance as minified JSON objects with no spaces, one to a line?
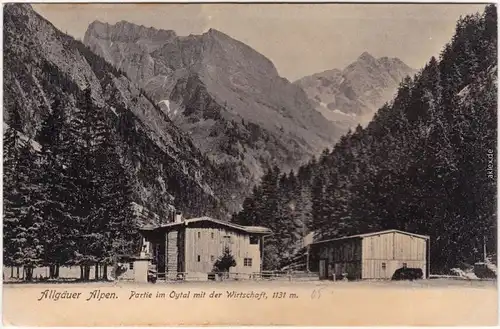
{"x":425,"y":164}
{"x":228,"y":97}
{"x":352,"y":95}
{"x":42,"y":64}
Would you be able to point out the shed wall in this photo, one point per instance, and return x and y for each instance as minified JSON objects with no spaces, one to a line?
{"x":341,"y":257}
{"x":409,"y":248}
{"x":383,"y":254}
{"x":375,"y":269}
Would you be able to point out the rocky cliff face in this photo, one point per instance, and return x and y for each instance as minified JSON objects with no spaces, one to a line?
{"x":352,"y":95}
{"x":41,"y":62}
{"x":227,"y":96}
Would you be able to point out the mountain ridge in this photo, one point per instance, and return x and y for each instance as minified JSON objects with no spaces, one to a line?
{"x":211,"y":81}
{"x":352,"y":95}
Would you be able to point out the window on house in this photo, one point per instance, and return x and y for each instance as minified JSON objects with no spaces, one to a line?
{"x":254,"y":240}
{"x":247,"y":262}
{"x":199,"y":235}
{"x":212,"y":258}
{"x":212,"y":234}
{"x":383,"y":266}
{"x":199,"y":258}
{"x":226,"y":239}
{"x":405,"y":265}
{"x":131,"y":266}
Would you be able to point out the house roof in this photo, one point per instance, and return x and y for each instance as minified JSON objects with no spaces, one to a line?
{"x":186,"y":222}
{"x":364,"y":235}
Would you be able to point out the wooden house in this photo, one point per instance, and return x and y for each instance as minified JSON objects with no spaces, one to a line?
{"x":190,"y":247}
{"x":374,"y":255}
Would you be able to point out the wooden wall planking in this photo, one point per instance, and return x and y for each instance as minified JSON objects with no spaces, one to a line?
{"x":352,"y":268}
{"x":209,"y":242}
{"x":181,"y":247}
{"x":410,"y":247}
{"x":378,"y":246}
{"x":375,"y":257}
{"x":172,"y":251}
{"x":385,"y":253}
{"x":342,"y":251}
{"x":374,"y":268}
{"x":394,"y":245}
{"x":343,"y":256}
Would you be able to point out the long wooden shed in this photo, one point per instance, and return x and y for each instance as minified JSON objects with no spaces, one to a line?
{"x":374,"y":255}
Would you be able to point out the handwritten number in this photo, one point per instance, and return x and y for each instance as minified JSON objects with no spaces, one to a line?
{"x":316,"y":294}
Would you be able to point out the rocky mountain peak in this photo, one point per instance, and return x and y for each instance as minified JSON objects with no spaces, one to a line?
{"x":212,"y":31}
{"x":227,"y":96}
{"x":221,"y":36}
{"x":127,"y":32}
{"x":96,"y":23}
{"x":366,"y":57}
{"x":352,"y":95}
{"x":392,"y":61}
{"x":97,"y":28}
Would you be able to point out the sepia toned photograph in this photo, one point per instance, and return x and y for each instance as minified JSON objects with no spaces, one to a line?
{"x":257,"y":164}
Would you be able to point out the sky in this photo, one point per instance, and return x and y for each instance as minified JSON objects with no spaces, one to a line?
{"x":300,"y":39}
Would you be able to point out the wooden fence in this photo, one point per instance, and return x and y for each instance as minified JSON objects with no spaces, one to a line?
{"x":221,"y":276}
{"x":67,"y":273}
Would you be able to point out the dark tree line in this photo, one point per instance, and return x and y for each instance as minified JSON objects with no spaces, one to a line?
{"x":67,"y":198}
{"x":424,"y":164}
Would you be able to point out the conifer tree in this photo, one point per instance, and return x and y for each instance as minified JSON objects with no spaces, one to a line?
{"x":24,"y":220}
{"x":11,"y":193}
{"x":54,"y":184}
{"x":225,"y":261}
{"x":318,"y":203}
{"x":115,"y":219}
{"x":85,"y":132}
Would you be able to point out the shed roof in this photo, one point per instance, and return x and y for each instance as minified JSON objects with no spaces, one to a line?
{"x":186,"y":222}
{"x":364,"y":235}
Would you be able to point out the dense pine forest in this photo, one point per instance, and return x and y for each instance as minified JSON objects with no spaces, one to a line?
{"x":425,"y":164}
{"x":67,"y":198}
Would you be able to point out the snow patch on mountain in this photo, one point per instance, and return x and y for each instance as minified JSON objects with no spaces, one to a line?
{"x":113,"y":110}
{"x":166,"y":102}
{"x":343,"y":113}
{"x":167,"y":106}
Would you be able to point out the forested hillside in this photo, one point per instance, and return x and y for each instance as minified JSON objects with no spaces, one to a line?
{"x":81,"y":143}
{"x":425,"y":164}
